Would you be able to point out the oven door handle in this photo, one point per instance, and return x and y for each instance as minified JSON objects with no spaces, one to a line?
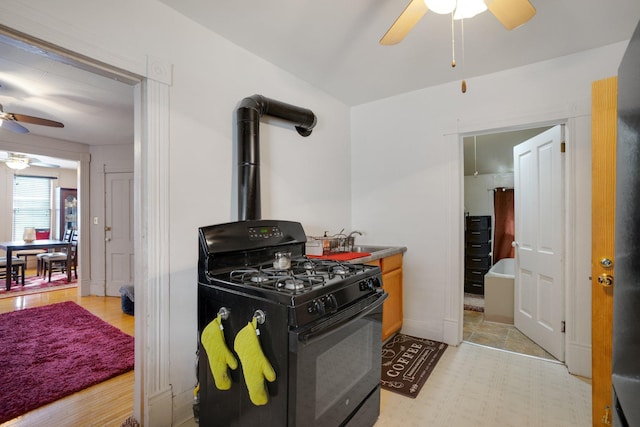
{"x":360,"y":310}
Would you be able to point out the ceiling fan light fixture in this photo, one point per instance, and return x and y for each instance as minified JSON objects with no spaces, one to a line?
{"x":441,"y":6}
{"x":17,"y":164}
{"x":469,"y":8}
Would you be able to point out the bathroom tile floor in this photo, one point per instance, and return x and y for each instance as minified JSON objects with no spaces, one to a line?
{"x":499,"y":335}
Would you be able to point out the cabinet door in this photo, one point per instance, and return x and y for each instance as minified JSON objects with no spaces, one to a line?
{"x":392,"y":309}
{"x":391,"y":263}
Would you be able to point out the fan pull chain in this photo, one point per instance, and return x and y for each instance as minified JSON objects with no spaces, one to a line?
{"x":475,"y":155}
{"x":453,"y":43}
{"x":464,"y":82}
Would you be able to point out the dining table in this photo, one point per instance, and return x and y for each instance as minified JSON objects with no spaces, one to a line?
{"x":19,"y":245}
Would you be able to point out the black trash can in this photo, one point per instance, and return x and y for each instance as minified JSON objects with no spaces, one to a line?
{"x":126,"y":293}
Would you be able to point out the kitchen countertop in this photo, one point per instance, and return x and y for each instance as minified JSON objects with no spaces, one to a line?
{"x":378,"y":252}
{"x":374,"y":252}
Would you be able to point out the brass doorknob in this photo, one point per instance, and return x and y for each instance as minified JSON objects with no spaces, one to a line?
{"x":605,"y":280}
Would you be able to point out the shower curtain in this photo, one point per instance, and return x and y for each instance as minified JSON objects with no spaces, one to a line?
{"x":504,"y":230}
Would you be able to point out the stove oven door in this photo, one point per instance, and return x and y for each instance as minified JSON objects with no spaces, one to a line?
{"x":233,"y":407}
{"x":335,"y":368}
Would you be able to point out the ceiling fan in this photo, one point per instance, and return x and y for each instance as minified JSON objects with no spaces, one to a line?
{"x":511,"y":13}
{"x":10,"y":121}
{"x":18,"y":161}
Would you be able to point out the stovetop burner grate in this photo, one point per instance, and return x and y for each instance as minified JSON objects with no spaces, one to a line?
{"x":277,"y":279}
{"x":304,"y":274}
{"x":329,"y":267}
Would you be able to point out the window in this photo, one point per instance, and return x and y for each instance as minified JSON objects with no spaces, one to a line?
{"x":31,"y":204}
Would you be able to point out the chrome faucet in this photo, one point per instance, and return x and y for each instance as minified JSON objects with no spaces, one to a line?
{"x":354,"y":232}
{"x":352,"y":240}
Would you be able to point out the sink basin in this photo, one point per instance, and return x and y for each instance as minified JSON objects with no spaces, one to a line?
{"x":370,"y":249}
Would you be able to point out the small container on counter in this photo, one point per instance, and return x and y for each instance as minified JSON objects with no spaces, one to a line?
{"x":282,"y":260}
{"x":313,"y":246}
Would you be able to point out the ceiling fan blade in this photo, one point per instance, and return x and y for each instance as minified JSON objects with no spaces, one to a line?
{"x":511,"y":13}
{"x":405,"y":22}
{"x":36,"y":120}
{"x":13,"y":126}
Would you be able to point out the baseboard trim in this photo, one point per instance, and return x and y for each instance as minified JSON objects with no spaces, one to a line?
{"x":160,"y":409}
{"x":451,"y":332}
{"x":182,"y":407}
{"x":97,"y":289}
{"x":578,"y":359}
{"x":421,"y":329}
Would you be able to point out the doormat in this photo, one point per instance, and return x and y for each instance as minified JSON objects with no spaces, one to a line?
{"x":53,"y":351}
{"x":35,"y":284}
{"x":407,"y":362}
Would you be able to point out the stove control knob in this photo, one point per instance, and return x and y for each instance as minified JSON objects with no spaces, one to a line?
{"x":369,"y":284}
{"x":331,"y":303}
{"x":316,"y":307}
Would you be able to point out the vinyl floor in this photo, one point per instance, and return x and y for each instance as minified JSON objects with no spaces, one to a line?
{"x":479,"y":386}
{"x":476,"y":385}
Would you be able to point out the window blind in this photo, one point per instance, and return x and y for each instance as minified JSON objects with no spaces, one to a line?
{"x":31,"y":204}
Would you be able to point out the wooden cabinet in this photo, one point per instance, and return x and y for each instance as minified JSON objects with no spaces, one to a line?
{"x":66,"y":210}
{"x":477,"y":252}
{"x":391,"y":267}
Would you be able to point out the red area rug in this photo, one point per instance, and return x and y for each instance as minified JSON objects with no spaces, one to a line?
{"x":53,"y":351}
{"x":35,"y":284}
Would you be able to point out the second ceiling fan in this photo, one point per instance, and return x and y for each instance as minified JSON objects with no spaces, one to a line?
{"x":511,"y":13}
{"x":10,"y":121}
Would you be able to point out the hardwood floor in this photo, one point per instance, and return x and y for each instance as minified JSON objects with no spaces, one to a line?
{"x":105,"y":404}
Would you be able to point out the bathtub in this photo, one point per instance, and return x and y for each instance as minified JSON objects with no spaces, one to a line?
{"x":498,"y":292}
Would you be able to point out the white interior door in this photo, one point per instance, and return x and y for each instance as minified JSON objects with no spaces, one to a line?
{"x":539,"y":287}
{"x":118,"y":231}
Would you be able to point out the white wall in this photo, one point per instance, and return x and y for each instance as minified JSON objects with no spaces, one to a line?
{"x":407,"y":172}
{"x":303,"y":179}
{"x":478,"y":199}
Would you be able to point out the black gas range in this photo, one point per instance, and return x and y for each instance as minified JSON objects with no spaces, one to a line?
{"x":319,"y":325}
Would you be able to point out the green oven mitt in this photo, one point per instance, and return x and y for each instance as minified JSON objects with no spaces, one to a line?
{"x":255,"y":366}
{"x":220,"y":357}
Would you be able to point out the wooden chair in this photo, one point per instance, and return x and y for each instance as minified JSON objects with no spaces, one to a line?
{"x":41,"y":234}
{"x":68,"y":235}
{"x":18,"y":266}
{"x":59,"y":261}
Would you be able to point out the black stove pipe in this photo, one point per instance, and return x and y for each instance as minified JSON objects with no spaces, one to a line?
{"x":248,"y":121}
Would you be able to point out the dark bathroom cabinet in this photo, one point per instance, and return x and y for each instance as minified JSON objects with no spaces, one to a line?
{"x":477,"y":252}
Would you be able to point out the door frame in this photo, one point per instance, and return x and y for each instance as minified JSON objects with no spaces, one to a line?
{"x":577,"y":354}
{"x":151,"y":78}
